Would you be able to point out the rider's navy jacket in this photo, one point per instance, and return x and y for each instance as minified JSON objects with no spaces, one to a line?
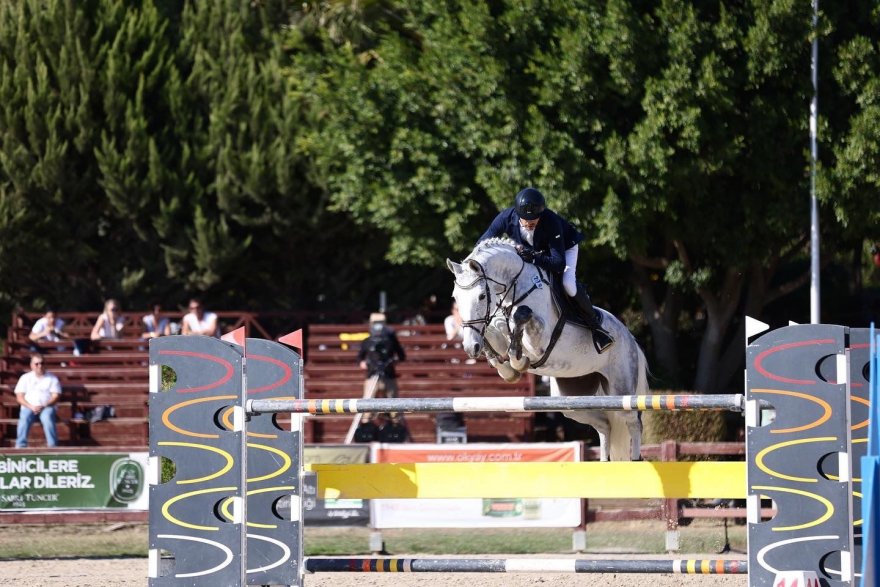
{"x":553,"y":235}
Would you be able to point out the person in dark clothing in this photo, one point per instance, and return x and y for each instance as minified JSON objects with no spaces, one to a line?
{"x":377,"y":356}
{"x":549,"y":241}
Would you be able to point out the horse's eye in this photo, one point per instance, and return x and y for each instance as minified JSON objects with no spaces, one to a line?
{"x":482,"y":296}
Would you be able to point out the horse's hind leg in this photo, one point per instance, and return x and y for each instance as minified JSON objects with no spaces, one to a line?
{"x":635,"y":432}
{"x":604,"y":448}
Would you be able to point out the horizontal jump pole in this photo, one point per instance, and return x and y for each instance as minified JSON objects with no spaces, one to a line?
{"x":617,"y":480}
{"x":525,"y":565}
{"x":660,"y":402}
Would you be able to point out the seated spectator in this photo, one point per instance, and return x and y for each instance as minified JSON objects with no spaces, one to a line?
{"x":20,"y":319}
{"x":155,"y":324}
{"x":48,"y":328}
{"x":110,"y":323}
{"x":452,"y":323}
{"x":198,"y":321}
{"x":37,"y":392}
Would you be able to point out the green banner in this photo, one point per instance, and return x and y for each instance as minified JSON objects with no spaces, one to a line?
{"x":73,"y":481}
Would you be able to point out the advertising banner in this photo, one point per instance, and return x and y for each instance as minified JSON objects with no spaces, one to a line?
{"x":75,"y":481}
{"x":476,"y":513}
{"x":333,"y":512}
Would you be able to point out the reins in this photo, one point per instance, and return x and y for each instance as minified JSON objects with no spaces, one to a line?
{"x":538,"y":282}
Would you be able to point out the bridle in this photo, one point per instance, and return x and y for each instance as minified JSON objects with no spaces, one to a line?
{"x":507,"y":289}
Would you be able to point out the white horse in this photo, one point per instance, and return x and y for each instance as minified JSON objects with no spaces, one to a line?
{"x":511,"y":315}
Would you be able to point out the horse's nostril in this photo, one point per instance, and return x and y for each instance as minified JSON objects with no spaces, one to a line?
{"x":476,"y":349}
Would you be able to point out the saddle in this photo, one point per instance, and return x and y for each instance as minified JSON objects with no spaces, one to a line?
{"x":567,"y":306}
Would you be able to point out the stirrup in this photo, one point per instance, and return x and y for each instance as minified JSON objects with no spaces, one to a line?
{"x":602,"y":340}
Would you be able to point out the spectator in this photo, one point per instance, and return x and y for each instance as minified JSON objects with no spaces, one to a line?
{"x":155,"y":324}
{"x":110,"y":323}
{"x":37,"y":392}
{"x":48,"y":328}
{"x":452,"y":323}
{"x":198,"y":321}
{"x":19,"y":318}
{"x":377,"y":356}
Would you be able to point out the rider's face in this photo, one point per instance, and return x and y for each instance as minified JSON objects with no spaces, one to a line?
{"x":529,"y":224}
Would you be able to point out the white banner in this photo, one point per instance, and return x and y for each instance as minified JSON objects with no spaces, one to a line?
{"x":476,"y":513}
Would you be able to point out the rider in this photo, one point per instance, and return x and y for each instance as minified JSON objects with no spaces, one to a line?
{"x":550,"y":242}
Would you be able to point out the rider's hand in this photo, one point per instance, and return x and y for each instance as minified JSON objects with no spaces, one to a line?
{"x":527,"y":254}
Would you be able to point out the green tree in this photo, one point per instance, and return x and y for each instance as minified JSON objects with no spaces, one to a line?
{"x":675,"y":133}
{"x":55,"y":219}
{"x":154,"y":149}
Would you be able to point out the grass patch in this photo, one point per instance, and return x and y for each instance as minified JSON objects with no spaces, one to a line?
{"x":23,"y":541}
{"x":86,"y":540}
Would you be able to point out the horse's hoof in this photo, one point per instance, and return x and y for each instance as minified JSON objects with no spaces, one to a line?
{"x":513,"y":378}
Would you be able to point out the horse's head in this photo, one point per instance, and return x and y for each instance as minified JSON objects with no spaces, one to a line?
{"x":482,"y":282}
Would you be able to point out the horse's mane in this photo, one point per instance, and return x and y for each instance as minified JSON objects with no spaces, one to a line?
{"x":499,"y":243}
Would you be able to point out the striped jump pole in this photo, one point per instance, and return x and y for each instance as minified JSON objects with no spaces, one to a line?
{"x":525,"y":565}
{"x":660,"y":402}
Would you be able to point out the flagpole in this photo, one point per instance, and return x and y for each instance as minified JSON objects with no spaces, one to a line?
{"x":815,"y":317}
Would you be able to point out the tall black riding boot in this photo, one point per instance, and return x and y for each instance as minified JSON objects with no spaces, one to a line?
{"x":601,"y":339}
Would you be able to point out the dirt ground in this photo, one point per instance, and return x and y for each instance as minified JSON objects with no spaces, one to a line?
{"x":127,"y":572}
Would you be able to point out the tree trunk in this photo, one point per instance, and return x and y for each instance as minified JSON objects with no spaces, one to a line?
{"x":719,"y":314}
{"x":662,"y":318}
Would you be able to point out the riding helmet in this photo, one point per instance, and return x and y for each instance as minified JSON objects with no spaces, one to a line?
{"x":529,"y":204}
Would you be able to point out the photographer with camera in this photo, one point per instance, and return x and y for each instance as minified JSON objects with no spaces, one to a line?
{"x":48,"y":328}
{"x":377,"y":355}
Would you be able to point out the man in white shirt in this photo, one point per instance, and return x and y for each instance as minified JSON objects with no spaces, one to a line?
{"x":198,"y":321}
{"x":37,"y":392}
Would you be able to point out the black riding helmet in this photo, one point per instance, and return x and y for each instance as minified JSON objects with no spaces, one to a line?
{"x":529,"y":204}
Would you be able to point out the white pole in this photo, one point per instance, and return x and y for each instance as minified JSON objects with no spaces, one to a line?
{"x":814,"y":153}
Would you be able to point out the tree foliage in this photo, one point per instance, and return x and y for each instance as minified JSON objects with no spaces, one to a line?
{"x":153,"y":149}
{"x":674,"y":133}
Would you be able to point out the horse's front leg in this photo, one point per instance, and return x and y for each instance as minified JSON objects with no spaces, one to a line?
{"x":521,"y":317}
{"x":508,"y":373}
{"x":495,"y":339}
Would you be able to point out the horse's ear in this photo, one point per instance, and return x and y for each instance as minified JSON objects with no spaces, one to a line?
{"x":475,"y":266}
{"x":453,"y":266}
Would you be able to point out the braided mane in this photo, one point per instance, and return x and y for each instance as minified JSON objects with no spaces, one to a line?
{"x":499,"y":242}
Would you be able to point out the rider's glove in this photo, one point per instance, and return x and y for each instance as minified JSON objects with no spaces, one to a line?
{"x":527,"y":254}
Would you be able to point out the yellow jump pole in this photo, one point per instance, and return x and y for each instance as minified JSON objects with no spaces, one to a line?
{"x":533,"y":480}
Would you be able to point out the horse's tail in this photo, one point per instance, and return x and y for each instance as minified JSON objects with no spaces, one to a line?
{"x":642,"y":374}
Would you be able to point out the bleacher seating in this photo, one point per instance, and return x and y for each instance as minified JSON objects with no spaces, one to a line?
{"x":433,"y":368}
{"x":111,"y":373}
{"x":114,"y":373}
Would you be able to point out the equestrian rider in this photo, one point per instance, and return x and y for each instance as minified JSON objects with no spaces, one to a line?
{"x":550,"y":242}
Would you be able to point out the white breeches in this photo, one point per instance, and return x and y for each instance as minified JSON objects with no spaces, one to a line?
{"x":569,"y":280}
